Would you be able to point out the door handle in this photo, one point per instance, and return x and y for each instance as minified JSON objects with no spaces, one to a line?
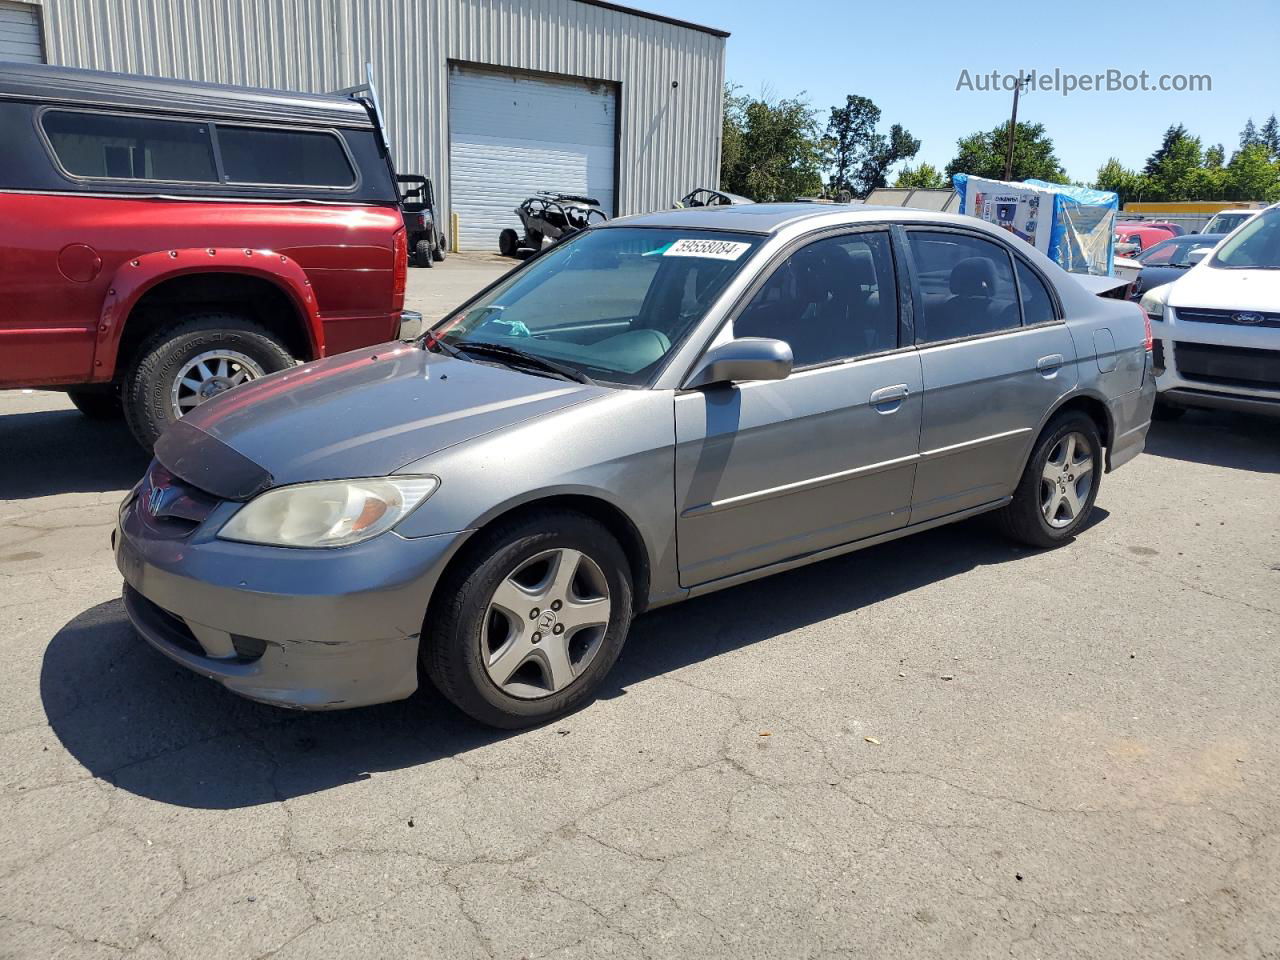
{"x":1051,"y":364}
{"x":886,"y":396}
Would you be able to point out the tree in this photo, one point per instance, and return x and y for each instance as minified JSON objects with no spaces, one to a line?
{"x":982,"y":154}
{"x":883,"y":154}
{"x":1215,"y":157}
{"x":1170,"y":169}
{"x":1249,"y":135}
{"x":924,"y":177}
{"x":1128,"y":184}
{"x":1253,"y":175}
{"x":772,"y":149}
{"x":861,"y":156}
{"x":1270,"y":136}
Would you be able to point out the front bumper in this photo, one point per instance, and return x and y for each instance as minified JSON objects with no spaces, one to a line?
{"x":411,"y":325}
{"x":306,"y":629}
{"x":1245,"y":379}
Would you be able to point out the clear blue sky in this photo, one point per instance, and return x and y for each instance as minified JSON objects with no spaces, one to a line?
{"x":907,"y":58}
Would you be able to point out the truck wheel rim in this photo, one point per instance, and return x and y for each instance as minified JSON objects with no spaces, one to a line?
{"x":545,"y":624}
{"x":1066,"y":480}
{"x":209,"y":374}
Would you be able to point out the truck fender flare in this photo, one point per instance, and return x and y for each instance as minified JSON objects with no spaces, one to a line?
{"x":141,"y":273}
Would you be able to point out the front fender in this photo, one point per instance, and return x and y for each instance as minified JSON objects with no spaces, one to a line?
{"x":139,"y":275}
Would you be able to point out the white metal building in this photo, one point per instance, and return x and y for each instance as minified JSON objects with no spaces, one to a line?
{"x":492,"y":99}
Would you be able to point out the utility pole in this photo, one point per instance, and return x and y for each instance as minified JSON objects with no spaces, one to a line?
{"x":1013,"y":126}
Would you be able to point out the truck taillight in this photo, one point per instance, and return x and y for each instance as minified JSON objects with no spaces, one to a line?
{"x":399,"y":267}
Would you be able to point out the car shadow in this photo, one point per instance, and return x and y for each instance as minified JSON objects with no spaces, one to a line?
{"x":140,"y":722}
{"x":1219,"y":438}
{"x":48,"y":452}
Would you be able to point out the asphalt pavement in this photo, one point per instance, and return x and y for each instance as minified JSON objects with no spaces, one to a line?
{"x":942,"y":747}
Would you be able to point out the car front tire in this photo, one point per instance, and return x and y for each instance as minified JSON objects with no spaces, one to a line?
{"x":199,"y":350}
{"x":1059,"y":485}
{"x":530,"y":620}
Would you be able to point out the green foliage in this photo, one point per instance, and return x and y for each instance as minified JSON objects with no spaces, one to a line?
{"x":1215,"y":157}
{"x":860,"y":155}
{"x":1179,"y":170}
{"x":771,"y":149}
{"x":1253,"y":175}
{"x":1249,"y":135}
{"x":982,"y":154}
{"x":1270,"y":136}
{"x":1173,"y":169}
{"x":923,"y":177}
{"x":1113,"y":176}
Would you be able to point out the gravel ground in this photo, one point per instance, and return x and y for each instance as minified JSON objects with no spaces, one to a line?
{"x":944,"y":746}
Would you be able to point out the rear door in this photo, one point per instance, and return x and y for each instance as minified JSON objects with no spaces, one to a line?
{"x":767,"y":471}
{"x":995,"y":357}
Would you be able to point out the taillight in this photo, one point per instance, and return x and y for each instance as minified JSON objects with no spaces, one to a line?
{"x":399,"y":267}
{"x":1148,"y":342}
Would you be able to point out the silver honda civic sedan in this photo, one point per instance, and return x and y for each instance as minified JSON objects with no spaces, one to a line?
{"x":652,"y":409}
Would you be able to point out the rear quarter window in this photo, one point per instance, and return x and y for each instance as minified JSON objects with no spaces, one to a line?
{"x":303,"y":158}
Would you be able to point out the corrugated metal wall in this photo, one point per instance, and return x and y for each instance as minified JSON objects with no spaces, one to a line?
{"x":669,"y":138}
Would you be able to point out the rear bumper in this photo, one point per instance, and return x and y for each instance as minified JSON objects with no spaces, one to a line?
{"x":1131,"y":419}
{"x":411,"y":325}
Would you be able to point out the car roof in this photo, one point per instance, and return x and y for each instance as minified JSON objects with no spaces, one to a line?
{"x":159,"y":95}
{"x":771,"y":218}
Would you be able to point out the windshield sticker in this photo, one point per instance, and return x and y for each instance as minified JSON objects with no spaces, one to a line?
{"x":709,"y":249}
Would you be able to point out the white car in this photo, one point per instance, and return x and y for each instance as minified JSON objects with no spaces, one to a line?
{"x":1217,"y":329}
{"x":1224,"y":221}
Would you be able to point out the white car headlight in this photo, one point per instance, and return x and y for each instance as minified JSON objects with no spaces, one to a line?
{"x":332,"y":513}
{"x":1153,"y":301}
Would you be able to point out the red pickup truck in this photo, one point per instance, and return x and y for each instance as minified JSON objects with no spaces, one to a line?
{"x":163,"y":241}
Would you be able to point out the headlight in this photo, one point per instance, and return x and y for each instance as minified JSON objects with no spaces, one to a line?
{"x":1153,"y":301}
{"x":334,"y":513}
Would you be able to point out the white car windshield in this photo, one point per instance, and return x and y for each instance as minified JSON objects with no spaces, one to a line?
{"x":1255,"y":246}
{"x":610,"y":303}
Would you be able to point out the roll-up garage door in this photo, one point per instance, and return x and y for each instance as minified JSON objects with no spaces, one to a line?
{"x":20,"y":32}
{"x":513,"y":135}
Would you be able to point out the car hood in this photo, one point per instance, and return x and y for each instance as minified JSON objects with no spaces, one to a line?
{"x":1216,"y":288}
{"x":361,"y":414}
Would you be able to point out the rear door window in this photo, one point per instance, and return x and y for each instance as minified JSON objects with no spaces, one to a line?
{"x":130,"y":148}
{"x":967,"y":285}
{"x":304,"y":158}
{"x":1037,"y":304}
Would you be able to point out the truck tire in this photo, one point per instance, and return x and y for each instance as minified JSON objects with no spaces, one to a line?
{"x":437,"y":251}
{"x":422,"y":254}
{"x":97,"y":404}
{"x":186,"y":363}
{"x":508,"y":242}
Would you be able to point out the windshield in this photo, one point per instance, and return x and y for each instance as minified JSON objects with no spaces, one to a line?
{"x":1225,"y":222}
{"x":1255,"y":246}
{"x":610,"y":303}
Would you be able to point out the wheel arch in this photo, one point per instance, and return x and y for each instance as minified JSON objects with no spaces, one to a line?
{"x":588,"y":503}
{"x":1092,"y":405}
{"x":149,"y":289}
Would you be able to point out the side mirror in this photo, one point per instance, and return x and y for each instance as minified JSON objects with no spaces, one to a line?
{"x":1198,"y":254}
{"x":747,"y":358}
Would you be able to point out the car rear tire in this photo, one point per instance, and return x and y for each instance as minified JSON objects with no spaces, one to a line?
{"x":1055,"y":496}
{"x":1166,"y":412}
{"x":508,"y":242}
{"x":196,"y":358}
{"x":530,"y":620}
{"x":422,"y":254}
{"x":97,"y":404}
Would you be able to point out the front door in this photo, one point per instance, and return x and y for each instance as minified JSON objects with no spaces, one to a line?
{"x":768,"y":471}
{"x":995,"y":356}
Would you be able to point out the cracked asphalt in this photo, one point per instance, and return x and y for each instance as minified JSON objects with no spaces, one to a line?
{"x":779,"y":770}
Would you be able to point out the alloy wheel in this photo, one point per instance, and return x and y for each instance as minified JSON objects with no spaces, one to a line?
{"x":545,"y":623}
{"x":1066,"y":480}
{"x":209,"y":374}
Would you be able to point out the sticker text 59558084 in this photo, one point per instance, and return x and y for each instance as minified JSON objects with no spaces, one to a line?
{"x":712,"y":249}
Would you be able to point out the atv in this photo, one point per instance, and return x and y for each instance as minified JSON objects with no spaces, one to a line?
{"x":553,"y":215}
